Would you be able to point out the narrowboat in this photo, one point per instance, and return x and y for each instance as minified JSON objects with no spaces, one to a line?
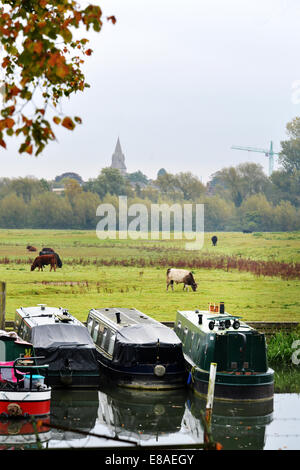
{"x":63,"y":342}
{"x":239,"y":351}
{"x":23,"y":393}
{"x":135,"y":350}
{"x":22,"y":389}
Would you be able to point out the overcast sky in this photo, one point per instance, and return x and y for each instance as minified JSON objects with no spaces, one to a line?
{"x":179,"y":83}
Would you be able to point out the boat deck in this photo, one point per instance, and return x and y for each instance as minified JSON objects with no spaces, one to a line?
{"x":43,"y":315}
{"x":206,"y":316}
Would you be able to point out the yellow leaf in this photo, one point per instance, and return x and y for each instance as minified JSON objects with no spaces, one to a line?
{"x":56,"y":119}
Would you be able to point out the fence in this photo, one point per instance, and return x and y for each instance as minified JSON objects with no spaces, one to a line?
{"x":269,"y":328}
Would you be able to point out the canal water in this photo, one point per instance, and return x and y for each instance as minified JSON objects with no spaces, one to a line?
{"x":89,"y":419}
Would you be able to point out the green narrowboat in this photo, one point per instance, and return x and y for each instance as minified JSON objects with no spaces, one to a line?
{"x":12,"y":346}
{"x":238,"y":349}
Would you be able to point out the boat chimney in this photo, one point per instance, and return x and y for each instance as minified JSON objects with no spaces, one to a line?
{"x":118,"y":317}
{"x":200,"y":318}
{"x":222,"y":307}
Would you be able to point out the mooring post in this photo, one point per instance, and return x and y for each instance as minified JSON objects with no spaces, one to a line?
{"x":210,"y":399}
{"x":2,"y":304}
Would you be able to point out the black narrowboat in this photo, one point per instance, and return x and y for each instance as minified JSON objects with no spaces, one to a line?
{"x":135,"y":350}
{"x":62,"y":342}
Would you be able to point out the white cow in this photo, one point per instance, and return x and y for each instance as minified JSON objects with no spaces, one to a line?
{"x":180,"y":276}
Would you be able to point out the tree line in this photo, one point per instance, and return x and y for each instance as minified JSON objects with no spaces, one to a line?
{"x":235,"y":198}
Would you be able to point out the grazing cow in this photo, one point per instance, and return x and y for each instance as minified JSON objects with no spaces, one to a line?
{"x":180,"y":276}
{"x":31,"y":248}
{"x":49,"y":251}
{"x":214,"y":240}
{"x":247,"y":231}
{"x":41,"y":261}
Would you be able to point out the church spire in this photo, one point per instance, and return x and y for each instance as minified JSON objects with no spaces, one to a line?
{"x":118,"y":149}
{"x":118,"y":158}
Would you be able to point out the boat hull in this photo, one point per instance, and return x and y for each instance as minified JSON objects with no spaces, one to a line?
{"x":144,"y":378}
{"x":24,"y":403}
{"x":234,"y":387}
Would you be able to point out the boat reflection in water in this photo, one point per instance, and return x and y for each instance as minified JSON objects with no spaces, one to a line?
{"x":141,"y":415}
{"x":73,"y":409}
{"x":237,"y":426}
{"x":144,"y":417}
{"x":20,"y":434}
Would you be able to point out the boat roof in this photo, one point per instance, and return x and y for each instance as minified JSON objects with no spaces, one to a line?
{"x":207,"y":316}
{"x":135,"y":327}
{"x":128,"y":317}
{"x":43,"y":315}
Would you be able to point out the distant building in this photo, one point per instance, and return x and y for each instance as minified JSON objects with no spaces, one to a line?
{"x":118,"y":159}
{"x":58,"y":190}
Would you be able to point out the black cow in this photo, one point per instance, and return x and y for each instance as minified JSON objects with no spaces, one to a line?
{"x":214,"y":240}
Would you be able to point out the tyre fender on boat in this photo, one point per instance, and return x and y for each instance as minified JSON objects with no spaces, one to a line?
{"x":14,"y":409}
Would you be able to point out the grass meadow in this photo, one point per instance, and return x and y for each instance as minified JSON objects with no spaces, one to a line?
{"x":257,"y":275}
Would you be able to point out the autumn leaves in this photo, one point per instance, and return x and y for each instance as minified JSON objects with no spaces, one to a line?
{"x":41,"y":58}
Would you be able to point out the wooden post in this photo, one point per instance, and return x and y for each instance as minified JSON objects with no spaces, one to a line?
{"x":2,"y":304}
{"x":210,"y":400}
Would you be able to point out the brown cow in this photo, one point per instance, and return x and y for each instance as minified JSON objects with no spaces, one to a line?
{"x":31,"y":248}
{"x":41,"y":261}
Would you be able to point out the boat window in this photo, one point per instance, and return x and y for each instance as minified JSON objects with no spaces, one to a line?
{"x":179,"y":324}
{"x":111,"y":344}
{"x":26,"y":332}
{"x":21,"y":329}
{"x":95,"y":332}
{"x":185,"y":332}
{"x":89,"y":324}
{"x":17,"y":321}
{"x":104,"y":334}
